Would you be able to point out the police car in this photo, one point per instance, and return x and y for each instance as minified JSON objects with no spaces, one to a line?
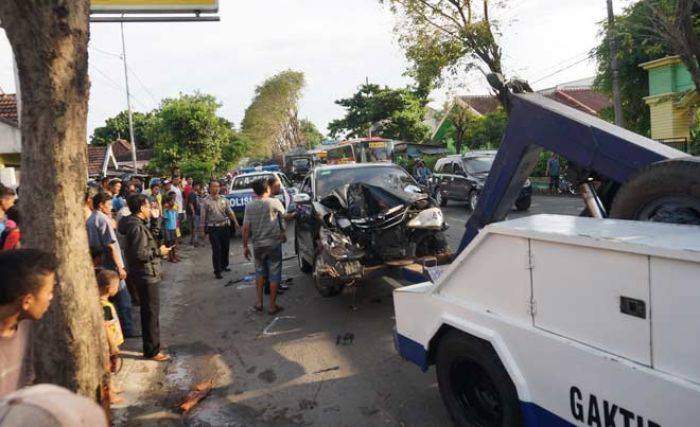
{"x":241,"y":191}
{"x":555,"y":321}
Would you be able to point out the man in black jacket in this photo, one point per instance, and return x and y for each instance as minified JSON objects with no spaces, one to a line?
{"x":144,"y":260}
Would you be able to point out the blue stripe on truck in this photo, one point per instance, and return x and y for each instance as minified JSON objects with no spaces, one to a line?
{"x":536,"y":416}
{"x":411,"y":351}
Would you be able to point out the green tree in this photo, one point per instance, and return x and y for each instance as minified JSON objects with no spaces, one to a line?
{"x":310,"y":135}
{"x":448,"y":37}
{"x":634,"y":46}
{"x":676,"y":24}
{"x":233,"y":150}
{"x":390,"y":113}
{"x":187,"y":133}
{"x":462,"y":119}
{"x":271,"y":121}
{"x":118,"y":127}
{"x":487,"y":131}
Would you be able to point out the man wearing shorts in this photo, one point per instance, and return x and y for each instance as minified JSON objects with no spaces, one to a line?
{"x":263,"y":224}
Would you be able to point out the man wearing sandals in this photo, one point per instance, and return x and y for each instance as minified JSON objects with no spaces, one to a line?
{"x":263,"y":224}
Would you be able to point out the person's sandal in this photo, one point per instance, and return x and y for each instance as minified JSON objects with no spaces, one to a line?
{"x":160,"y":357}
{"x":275,"y":311}
{"x":258,"y":308}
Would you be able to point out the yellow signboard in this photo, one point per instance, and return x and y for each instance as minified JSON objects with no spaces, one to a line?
{"x":377,"y":144}
{"x":154,"y":6}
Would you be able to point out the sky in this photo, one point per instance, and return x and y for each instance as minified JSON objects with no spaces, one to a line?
{"x":336,"y":43}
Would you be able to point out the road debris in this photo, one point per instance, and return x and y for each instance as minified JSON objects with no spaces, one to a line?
{"x":346,"y":339}
{"x":334,"y":368}
{"x":267,"y":332}
{"x":200,"y":391}
{"x":248,"y":279}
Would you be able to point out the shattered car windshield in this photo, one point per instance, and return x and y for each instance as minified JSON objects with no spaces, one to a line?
{"x":476,"y":165}
{"x":390,"y":176}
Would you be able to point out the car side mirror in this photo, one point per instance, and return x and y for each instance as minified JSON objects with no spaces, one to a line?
{"x":301,"y":198}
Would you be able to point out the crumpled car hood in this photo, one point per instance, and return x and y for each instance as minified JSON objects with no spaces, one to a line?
{"x":361,"y":200}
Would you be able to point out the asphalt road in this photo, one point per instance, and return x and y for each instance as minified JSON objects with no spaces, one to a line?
{"x":323,"y":361}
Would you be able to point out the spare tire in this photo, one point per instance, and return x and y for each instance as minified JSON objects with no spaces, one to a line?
{"x":666,"y":191}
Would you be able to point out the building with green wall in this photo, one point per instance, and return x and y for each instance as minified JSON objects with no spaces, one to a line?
{"x":672,"y":100}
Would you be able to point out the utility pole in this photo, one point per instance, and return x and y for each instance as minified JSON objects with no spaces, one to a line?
{"x":612,"y":36}
{"x":128,"y":103}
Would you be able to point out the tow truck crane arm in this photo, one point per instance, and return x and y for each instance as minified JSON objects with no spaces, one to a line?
{"x":593,"y":145}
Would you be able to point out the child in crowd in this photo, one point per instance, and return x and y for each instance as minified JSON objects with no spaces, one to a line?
{"x":10,"y":237}
{"x":108,"y":284}
{"x":170,"y":225}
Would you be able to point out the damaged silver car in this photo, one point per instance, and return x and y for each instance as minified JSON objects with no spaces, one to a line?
{"x":354,"y":219}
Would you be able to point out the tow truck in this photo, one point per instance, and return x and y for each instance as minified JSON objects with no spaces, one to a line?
{"x":557,"y":320}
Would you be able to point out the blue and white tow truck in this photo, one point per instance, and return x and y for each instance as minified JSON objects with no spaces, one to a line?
{"x":241,"y":192}
{"x":558,"y":320}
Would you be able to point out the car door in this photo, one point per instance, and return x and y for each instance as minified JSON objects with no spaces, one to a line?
{"x":304,"y":221}
{"x":453,"y":186}
{"x":439,"y":176}
{"x":460,"y":184}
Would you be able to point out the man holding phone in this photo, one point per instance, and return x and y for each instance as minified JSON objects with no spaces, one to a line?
{"x":144,"y":261}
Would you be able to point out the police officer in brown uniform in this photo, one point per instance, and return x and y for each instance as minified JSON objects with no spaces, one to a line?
{"x":215,"y":218}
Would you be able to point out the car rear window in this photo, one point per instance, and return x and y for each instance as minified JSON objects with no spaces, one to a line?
{"x":478,"y":164}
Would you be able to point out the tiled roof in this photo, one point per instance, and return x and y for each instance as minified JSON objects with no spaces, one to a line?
{"x":121,"y":150}
{"x":8,"y":108}
{"x":96,"y":158}
{"x":483,"y":104}
{"x":585,"y":99}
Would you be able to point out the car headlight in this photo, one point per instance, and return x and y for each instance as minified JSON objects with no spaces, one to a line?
{"x":429,"y":218}
{"x":527,"y":183}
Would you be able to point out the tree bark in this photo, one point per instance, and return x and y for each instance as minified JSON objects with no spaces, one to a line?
{"x":49,"y":39}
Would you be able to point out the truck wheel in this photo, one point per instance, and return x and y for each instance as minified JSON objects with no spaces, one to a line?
{"x":325,"y":286}
{"x":474,"y":385}
{"x":442,"y":201}
{"x":523,"y":204}
{"x":666,"y":191}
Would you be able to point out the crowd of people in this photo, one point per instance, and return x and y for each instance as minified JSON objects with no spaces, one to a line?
{"x":131,"y":228}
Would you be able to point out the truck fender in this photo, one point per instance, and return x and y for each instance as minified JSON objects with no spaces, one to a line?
{"x":490,"y":336}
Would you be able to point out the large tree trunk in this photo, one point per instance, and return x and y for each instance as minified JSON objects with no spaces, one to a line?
{"x":49,"y":40}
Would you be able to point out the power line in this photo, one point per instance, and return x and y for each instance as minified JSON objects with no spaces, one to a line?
{"x":561,"y":70}
{"x":576,"y":57}
{"x":131,"y":69}
{"x":104,"y":52}
{"x":138,"y":79}
{"x":116,"y":86}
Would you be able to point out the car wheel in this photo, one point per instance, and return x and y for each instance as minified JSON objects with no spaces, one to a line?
{"x":442,"y":201}
{"x":523,"y":204}
{"x":473,"y":200}
{"x":474,"y":385}
{"x":431,"y":243}
{"x":325,"y":285}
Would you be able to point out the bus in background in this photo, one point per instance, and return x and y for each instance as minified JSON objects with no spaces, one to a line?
{"x":363,"y":150}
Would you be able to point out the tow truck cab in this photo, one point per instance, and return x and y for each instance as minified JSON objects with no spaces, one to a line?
{"x":557,"y":320}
